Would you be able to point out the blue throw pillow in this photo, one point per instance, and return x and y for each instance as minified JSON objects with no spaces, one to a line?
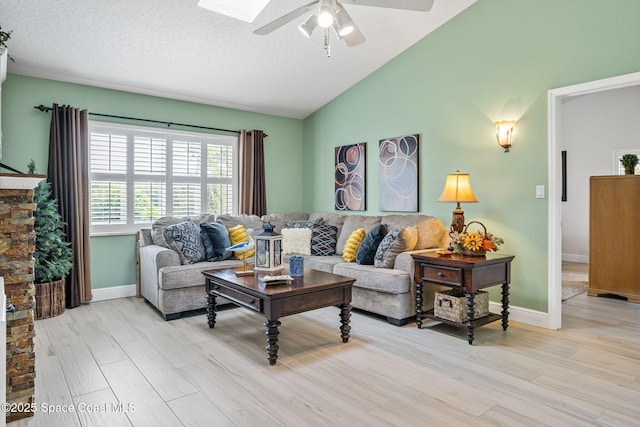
{"x":218,"y":236}
{"x":185,"y":239}
{"x":369,"y":246}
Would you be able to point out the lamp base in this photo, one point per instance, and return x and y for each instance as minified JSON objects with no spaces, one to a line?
{"x":457,"y":220}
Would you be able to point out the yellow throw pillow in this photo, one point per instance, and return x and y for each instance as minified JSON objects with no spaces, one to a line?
{"x":238,"y":234}
{"x":353,"y":242}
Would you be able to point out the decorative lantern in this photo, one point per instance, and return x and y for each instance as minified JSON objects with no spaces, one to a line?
{"x":268,"y":250}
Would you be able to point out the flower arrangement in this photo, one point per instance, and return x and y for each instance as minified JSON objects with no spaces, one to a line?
{"x":475,"y":243}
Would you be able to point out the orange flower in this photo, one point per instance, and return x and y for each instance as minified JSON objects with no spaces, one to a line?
{"x":488,"y":245}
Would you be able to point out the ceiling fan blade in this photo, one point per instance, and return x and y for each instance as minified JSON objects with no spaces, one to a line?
{"x":355,"y":37}
{"x":285,"y":19}
{"x":419,"y":5}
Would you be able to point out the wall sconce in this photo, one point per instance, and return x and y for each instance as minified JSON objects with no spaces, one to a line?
{"x":504,"y":133}
{"x":457,"y":188}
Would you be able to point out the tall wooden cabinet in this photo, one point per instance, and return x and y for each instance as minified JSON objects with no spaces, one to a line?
{"x":614,"y":236}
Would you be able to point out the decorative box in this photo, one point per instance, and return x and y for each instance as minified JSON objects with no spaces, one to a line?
{"x":452,"y":305}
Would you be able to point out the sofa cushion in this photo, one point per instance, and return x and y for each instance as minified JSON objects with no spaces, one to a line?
{"x":238,"y":234}
{"x":249,"y":221}
{"x":395,"y":242}
{"x":322,"y":263}
{"x":184,"y":238}
{"x":158,"y":226}
{"x":352,"y":223}
{"x":323,"y":240}
{"x":278,"y":220}
{"x":186,"y":276}
{"x":296,"y":241}
{"x":330,"y":218}
{"x":430,"y":229}
{"x":367,"y":249}
{"x":351,"y":246}
{"x":304,"y":223}
{"x":218,"y":237}
{"x":384,"y":280}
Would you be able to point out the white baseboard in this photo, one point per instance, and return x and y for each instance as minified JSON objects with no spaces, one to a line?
{"x":102,"y":294}
{"x":576,"y":258}
{"x":523,"y":315}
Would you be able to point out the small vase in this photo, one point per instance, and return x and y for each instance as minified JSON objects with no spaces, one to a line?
{"x":629,"y":170}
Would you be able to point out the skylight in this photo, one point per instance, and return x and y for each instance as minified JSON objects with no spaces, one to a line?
{"x":245,"y":10}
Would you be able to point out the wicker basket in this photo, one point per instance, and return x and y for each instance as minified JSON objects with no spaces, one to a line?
{"x":50,"y":299}
{"x":452,"y":305}
{"x":469,"y":252}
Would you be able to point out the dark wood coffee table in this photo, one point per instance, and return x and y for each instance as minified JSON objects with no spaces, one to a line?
{"x":316,"y":289}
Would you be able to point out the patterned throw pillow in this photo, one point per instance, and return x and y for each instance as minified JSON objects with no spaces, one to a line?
{"x":323,"y":240}
{"x":351,"y":247}
{"x":296,"y":241}
{"x":218,"y":237}
{"x":369,"y":246}
{"x":394,"y":243}
{"x":238,"y":234}
{"x":184,"y":238}
{"x":304,"y":223}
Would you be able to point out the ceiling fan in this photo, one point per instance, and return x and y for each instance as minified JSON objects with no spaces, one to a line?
{"x":332,"y":14}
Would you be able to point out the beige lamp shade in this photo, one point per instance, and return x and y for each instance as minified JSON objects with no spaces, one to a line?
{"x":457,"y":189}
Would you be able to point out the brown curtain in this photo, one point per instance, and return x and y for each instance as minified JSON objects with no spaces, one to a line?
{"x":68,"y":174}
{"x":253,"y":196}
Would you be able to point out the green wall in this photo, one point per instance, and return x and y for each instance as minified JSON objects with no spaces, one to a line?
{"x":26,"y":136}
{"x":496,"y":60}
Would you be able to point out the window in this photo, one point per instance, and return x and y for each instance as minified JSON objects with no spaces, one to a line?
{"x":141,"y":174}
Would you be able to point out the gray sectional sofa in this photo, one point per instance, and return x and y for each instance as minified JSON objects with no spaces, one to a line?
{"x":173,"y":287}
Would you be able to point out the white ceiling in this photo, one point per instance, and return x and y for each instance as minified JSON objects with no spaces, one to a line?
{"x":174,"y":49}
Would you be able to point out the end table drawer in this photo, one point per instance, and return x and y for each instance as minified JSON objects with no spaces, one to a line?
{"x":447,"y":275}
{"x":240,"y":298}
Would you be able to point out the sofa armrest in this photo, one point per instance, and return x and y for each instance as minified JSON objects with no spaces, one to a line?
{"x":152,"y":259}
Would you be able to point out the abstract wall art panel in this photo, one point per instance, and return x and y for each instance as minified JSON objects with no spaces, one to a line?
{"x":398,"y":173}
{"x":350,"y":162}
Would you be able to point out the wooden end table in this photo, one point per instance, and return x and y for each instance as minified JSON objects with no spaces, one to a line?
{"x":467,"y":273}
{"x":316,"y":289}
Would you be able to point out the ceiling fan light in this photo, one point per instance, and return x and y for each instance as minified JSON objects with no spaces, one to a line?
{"x":325,"y":18}
{"x":309,"y":25}
{"x":344,"y":22}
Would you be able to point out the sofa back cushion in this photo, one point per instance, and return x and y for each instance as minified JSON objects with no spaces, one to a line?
{"x":352,"y":223}
{"x":278,"y":220}
{"x":158,"y":226}
{"x":249,"y":221}
{"x":185,"y":239}
{"x":430,"y":229}
{"x":217,"y":237}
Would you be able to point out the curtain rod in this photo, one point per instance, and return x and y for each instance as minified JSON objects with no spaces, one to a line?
{"x":237,"y":132}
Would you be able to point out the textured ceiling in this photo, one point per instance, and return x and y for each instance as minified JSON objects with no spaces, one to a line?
{"x":174,"y":49}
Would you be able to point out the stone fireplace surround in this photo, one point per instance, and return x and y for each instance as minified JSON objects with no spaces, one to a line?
{"x":17,"y":245}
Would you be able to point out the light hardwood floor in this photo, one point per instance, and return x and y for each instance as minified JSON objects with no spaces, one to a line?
{"x":183,"y":373}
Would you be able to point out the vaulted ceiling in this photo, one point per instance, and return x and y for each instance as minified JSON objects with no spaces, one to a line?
{"x":174,"y":49}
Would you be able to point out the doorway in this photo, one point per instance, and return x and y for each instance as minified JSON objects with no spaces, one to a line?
{"x":555,"y":100}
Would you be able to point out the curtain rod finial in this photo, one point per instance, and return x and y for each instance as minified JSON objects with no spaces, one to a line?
{"x":42,"y":108}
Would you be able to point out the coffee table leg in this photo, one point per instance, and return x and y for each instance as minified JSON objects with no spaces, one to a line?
{"x":272,"y":340}
{"x":211,"y":309}
{"x":345,"y":317}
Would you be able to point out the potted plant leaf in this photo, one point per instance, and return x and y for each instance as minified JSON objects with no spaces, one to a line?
{"x":53,"y":256}
{"x":629,"y":161}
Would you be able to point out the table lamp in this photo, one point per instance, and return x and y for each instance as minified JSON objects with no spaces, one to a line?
{"x":457,"y":188}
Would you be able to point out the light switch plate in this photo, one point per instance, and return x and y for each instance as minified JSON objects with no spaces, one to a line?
{"x":539,"y":191}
